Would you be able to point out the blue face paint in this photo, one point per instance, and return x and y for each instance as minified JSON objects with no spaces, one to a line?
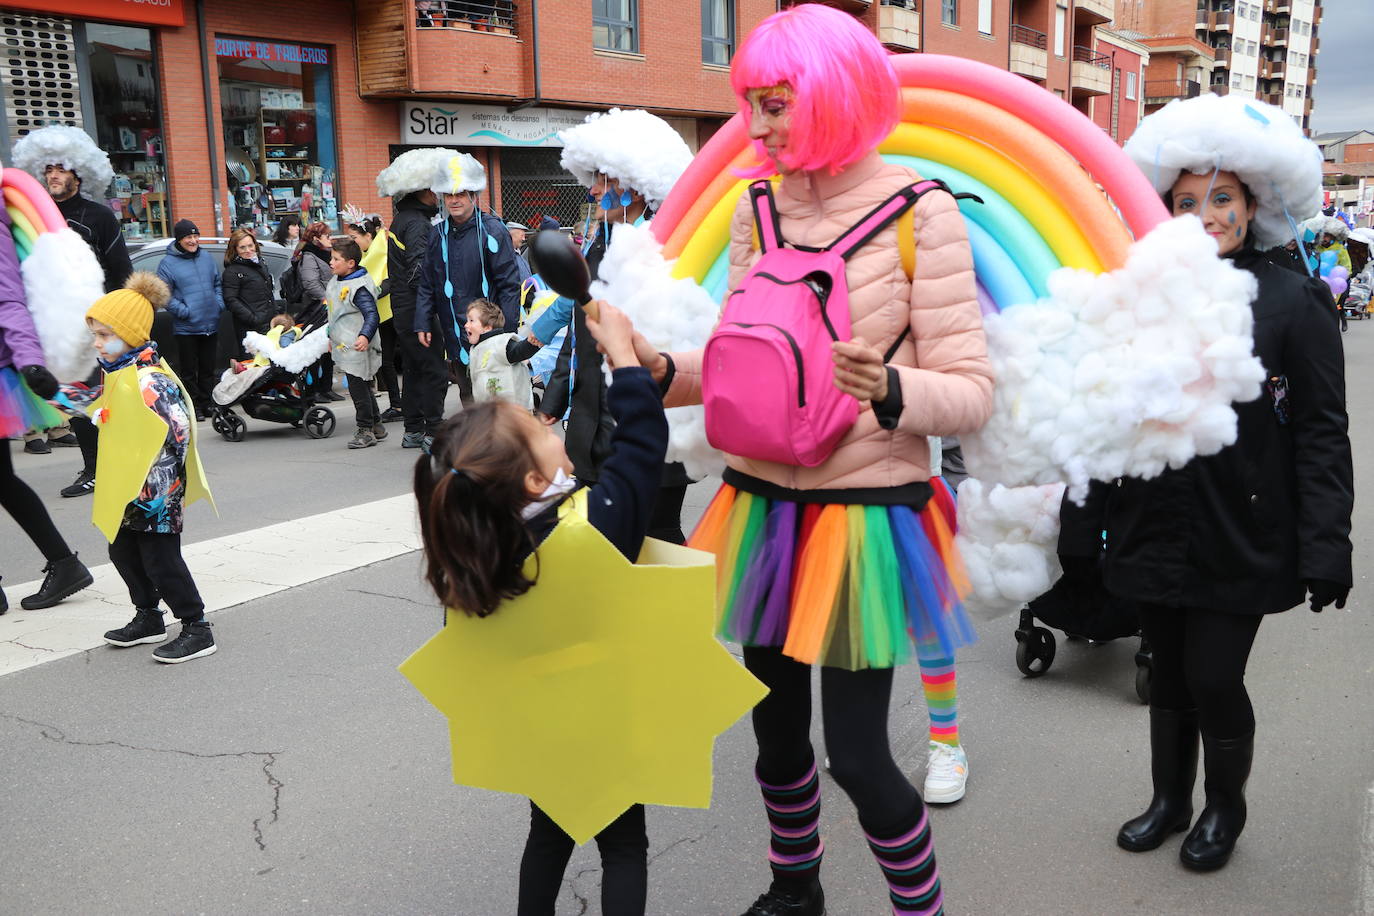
{"x":1238,"y":230}
{"x":1231,"y":217}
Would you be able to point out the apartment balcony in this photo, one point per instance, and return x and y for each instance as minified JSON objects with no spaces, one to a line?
{"x":1280,"y":39}
{"x":1265,"y":70}
{"x":1283,"y":6}
{"x":1029,"y":53}
{"x":899,"y":26}
{"x":1223,"y":58}
{"x":1220,"y":22}
{"x":1278,"y":69}
{"x":1094,"y":12}
{"x":1203,"y":22}
{"x":1090,"y":73}
{"x":1317,"y":15}
{"x":485,"y":33}
{"x":1219,"y":89}
{"x":1266,"y":35}
{"x":1273,"y":98}
{"x":1159,"y":92}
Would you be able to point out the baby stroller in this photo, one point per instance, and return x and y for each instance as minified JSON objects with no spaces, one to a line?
{"x":282,"y":392}
{"x":1079,"y":604}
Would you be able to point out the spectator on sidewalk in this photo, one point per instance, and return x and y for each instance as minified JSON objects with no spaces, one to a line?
{"x":247,"y":285}
{"x":76,"y":173}
{"x":288,"y":231}
{"x":197,"y":300}
{"x":469,"y":257}
{"x":424,"y":379}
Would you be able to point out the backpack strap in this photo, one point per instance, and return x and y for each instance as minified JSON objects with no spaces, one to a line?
{"x":765,"y":215}
{"x":863,"y":232}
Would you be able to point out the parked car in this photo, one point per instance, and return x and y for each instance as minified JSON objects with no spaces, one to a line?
{"x":150,"y":255}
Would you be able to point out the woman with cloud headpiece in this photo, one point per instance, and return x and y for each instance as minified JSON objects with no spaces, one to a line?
{"x":1211,"y":548}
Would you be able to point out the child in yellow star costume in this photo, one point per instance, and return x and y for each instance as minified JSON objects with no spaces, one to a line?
{"x":148,"y":470}
{"x":568,"y":673}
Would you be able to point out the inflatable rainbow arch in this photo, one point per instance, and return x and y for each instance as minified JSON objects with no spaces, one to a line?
{"x":1057,"y":191}
{"x":31,"y":209}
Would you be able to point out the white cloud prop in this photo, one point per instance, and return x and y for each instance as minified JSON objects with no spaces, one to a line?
{"x":673,"y":315}
{"x":1122,"y":373}
{"x":636,"y":148}
{"x":413,"y":170}
{"x":1007,"y":538}
{"x":67,"y":146}
{"x":294,"y":358}
{"x":62,"y":279}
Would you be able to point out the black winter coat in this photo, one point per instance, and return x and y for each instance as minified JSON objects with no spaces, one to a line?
{"x":99,"y":227}
{"x":1241,"y":531}
{"x":405,"y":252}
{"x":248,"y":295}
{"x":470,"y":257}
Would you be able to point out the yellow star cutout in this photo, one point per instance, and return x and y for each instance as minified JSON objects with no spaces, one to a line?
{"x":600,"y":687}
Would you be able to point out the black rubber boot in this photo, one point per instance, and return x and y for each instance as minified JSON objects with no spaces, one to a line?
{"x":1209,"y":844}
{"x":65,"y":577}
{"x":1173,"y":770}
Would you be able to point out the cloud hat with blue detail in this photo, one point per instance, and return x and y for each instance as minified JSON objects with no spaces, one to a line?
{"x":1260,"y":143}
{"x":633,"y":147}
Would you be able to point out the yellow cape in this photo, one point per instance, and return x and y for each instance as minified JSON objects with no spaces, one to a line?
{"x":374,"y":262}
{"x":131,"y":435}
{"x":600,"y":687}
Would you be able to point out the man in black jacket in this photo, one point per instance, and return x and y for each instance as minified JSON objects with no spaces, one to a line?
{"x":424,"y":378}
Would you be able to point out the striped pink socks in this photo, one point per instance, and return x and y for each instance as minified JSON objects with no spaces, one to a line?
{"x":794,"y":810}
{"x":906,"y":855}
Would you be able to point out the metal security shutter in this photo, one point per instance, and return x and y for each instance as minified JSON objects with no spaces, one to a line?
{"x":39,"y":73}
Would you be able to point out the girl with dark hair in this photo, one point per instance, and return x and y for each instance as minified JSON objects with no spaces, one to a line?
{"x":288,"y":231}
{"x":247,"y":286}
{"x":492,"y":492}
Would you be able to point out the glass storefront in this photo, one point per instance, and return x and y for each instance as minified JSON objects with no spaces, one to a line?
{"x":101,"y":78}
{"x":276,"y":102}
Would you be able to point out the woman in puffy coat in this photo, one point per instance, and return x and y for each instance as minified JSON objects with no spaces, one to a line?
{"x":1210,"y":549}
{"x":247,"y":286}
{"x":21,"y":357}
{"x":832,"y":565}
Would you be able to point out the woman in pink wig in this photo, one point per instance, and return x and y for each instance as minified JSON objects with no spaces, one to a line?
{"x":843,"y":561}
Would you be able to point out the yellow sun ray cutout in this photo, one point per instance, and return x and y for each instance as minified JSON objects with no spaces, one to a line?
{"x":601,"y":687}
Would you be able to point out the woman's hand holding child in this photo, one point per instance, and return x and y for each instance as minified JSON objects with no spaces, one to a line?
{"x":360,"y":344}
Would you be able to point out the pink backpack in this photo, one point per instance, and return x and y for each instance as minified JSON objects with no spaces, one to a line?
{"x":767,"y":374}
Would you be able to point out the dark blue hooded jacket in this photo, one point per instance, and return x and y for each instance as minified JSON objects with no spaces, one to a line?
{"x":465,"y":269}
{"x":196,"y":296}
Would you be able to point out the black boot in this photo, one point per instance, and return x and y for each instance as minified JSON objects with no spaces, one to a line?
{"x":1173,"y":769}
{"x":146,"y":627}
{"x":787,"y":900}
{"x":65,"y":577}
{"x":1209,"y":844}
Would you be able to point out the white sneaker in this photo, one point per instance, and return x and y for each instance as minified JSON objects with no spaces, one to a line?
{"x":946,"y":774}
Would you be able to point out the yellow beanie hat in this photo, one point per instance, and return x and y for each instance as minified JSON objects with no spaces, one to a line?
{"x":129,"y":311}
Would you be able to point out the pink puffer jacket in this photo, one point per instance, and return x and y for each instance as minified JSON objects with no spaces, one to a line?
{"x":943,"y":364}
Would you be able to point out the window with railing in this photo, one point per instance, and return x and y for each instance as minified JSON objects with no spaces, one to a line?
{"x":717,"y":31}
{"x":615,"y":25}
{"x":476,"y":15}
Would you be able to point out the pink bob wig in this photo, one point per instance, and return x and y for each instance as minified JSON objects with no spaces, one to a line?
{"x":846,"y":95}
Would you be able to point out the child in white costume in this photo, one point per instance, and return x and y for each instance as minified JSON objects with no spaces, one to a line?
{"x":498,"y":357}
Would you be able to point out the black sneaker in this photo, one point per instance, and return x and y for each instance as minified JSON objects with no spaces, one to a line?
{"x":392,"y":414}
{"x":65,"y":577}
{"x":782,"y":900}
{"x":83,"y":485}
{"x":413,"y":440}
{"x":67,"y":441}
{"x":38,"y":447}
{"x":195,"y":641}
{"x":147,"y":626}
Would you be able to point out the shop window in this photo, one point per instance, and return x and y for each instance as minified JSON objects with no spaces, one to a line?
{"x":615,"y":25}
{"x":717,"y":31}
{"x":277,"y":106}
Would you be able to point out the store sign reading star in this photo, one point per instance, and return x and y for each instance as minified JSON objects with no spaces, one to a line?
{"x":454,"y":124}
{"x":265,"y":50}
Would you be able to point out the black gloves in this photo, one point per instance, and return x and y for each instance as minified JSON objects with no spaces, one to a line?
{"x":1325,"y":592}
{"x":40,"y":381}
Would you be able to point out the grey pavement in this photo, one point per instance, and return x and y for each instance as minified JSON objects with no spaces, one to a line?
{"x":297,"y":772}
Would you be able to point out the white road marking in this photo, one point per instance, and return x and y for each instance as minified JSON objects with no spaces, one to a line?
{"x":229,"y":570}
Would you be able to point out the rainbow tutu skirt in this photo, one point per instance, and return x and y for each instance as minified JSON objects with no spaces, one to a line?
{"x":850,"y":586}
{"x":20,"y":409}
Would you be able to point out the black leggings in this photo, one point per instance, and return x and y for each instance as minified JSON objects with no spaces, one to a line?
{"x":854,"y":713}
{"x":387,"y":378}
{"x":624,"y":848}
{"x":28,"y":510}
{"x":1199,"y":662}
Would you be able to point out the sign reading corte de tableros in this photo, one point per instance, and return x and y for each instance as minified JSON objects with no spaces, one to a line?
{"x":458,"y":124}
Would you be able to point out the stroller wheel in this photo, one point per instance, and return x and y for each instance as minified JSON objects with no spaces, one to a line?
{"x":233,"y":426}
{"x":319,"y":422}
{"x":1034,"y":651}
{"x":217,"y":422}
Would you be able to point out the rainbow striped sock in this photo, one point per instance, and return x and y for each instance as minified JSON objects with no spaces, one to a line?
{"x":906,"y":854}
{"x":794,"y":810}
{"x":941,"y":688}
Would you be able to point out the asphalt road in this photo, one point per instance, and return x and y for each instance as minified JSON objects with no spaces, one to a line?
{"x":297,"y":772}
